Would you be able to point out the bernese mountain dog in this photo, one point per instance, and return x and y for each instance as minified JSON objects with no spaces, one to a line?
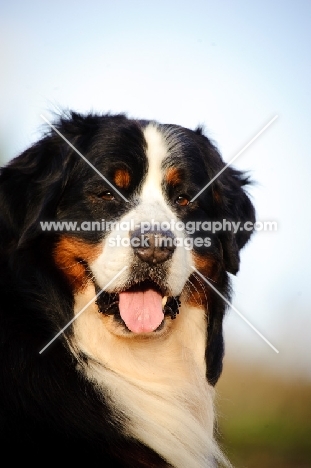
{"x":113,"y":278}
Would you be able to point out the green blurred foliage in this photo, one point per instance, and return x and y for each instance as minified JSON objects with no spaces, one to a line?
{"x":264,"y":419}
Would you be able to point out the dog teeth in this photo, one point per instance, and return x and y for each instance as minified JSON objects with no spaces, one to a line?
{"x":164,"y":300}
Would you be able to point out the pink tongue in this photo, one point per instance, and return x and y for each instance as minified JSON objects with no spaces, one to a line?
{"x":141,"y":310}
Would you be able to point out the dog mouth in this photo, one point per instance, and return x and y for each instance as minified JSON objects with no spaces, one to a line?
{"x":142,"y":308}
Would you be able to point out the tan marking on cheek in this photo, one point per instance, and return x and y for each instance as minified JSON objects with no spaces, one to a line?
{"x":210,"y":267}
{"x":173,"y":176}
{"x":122,"y":178}
{"x":69,"y":255}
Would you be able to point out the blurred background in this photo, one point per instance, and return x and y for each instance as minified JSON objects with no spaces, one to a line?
{"x":230,"y":66}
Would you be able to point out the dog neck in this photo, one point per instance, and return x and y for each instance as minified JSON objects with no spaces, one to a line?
{"x":158,"y":382}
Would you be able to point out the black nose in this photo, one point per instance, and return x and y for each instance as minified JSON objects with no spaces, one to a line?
{"x":153,"y":246}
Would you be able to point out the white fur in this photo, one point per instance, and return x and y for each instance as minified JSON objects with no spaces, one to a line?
{"x":156,"y":153}
{"x":157,"y":380}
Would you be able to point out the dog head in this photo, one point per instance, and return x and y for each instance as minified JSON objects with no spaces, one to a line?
{"x":136,"y":210}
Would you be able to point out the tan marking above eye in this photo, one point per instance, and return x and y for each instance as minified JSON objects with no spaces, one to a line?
{"x":122,"y":178}
{"x":173,"y":176}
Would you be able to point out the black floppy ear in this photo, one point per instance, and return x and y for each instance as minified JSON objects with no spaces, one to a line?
{"x":233,"y":206}
{"x":231,"y":203}
{"x":236,"y":212}
{"x":30,"y":187}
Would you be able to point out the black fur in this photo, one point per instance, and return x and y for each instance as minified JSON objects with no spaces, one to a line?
{"x":49,"y":412}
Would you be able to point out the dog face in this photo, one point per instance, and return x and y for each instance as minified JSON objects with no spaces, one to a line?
{"x":138,"y":238}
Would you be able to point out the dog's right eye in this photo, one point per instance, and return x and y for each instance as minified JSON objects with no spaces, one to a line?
{"x":107,"y":195}
{"x":182,"y":200}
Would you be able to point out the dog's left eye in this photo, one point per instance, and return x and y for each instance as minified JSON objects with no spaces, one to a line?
{"x":107,"y":195}
{"x":182,"y":200}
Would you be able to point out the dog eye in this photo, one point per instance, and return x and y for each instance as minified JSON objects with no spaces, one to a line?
{"x":182,"y":200}
{"x":107,"y":195}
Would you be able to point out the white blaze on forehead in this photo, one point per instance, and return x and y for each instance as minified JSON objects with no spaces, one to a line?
{"x":156,"y":153}
{"x":152,"y":208}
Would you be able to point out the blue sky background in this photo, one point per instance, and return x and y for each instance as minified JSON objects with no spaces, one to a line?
{"x":229,"y":65}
